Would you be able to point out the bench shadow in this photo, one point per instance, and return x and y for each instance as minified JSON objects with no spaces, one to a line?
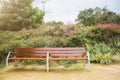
{"x":44,"y":70}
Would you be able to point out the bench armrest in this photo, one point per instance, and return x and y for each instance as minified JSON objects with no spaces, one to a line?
{"x":8,"y":55}
{"x":7,"y":60}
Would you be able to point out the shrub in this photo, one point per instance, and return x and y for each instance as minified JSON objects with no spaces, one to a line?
{"x":75,"y":41}
{"x":54,"y":23}
{"x":40,"y":42}
{"x":100,"y":53}
{"x":9,"y":41}
{"x":108,"y":36}
{"x":56,"y":31}
{"x":59,"y":42}
{"x":102,"y":43}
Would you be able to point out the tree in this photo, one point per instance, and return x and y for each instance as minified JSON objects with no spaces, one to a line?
{"x":97,"y":15}
{"x":86,"y":17}
{"x":18,"y":14}
{"x":54,"y":23}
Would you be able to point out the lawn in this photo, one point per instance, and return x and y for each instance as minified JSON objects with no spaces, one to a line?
{"x":98,"y":72}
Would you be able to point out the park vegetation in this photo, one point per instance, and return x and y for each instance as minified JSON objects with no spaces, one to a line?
{"x":102,"y":43}
{"x":18,"y":14}
{"x":97,"y":29}
{"x":96,"y":16}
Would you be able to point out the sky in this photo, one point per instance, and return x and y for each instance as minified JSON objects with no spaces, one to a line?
{"x":67,"y":10}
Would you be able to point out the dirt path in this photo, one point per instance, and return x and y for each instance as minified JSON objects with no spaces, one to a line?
{"x":98,"y":72}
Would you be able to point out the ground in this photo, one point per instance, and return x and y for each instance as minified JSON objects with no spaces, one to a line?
{"x":98,"y":72}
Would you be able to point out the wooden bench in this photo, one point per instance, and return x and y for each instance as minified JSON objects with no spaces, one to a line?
{"x":48,"y":54}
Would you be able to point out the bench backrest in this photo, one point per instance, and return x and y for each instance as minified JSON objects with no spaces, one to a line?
{"x":41,"y":52}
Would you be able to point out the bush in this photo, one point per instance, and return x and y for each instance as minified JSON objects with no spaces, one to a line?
{"x":41,"y":42}
{"x":102,"y":43}
{"x":75,"y":41}
{"x":100,"y":53}
{"x":54,"y":23}
{"x":57,"y":31}
{"x":59,"y":42}
{"x":9,"y":41}
{"x":26,"y":16}
{"x":109,"y":36}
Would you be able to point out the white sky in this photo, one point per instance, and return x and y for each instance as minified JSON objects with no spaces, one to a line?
{"x":67,"y":10}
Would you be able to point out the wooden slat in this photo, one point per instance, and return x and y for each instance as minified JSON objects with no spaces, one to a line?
{"x":49,"y":49}
{"x":31,"y":51}
{"x":49,"y":59}
{"x":29,"y":54}
{"x":77,"y":51}
{"x":53,"y":50}
{"x":52,"y":55}
{"x":68,"y":59}
{"x":68,"y":54}
{"x":27,"y":58}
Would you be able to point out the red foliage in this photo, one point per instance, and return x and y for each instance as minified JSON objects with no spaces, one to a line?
{"x":110,"y":25}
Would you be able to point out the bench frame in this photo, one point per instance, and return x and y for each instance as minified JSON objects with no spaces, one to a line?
{"x":48,"y":59}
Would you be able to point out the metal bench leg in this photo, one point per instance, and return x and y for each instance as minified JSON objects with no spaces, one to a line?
{"x":47,"y":62}
{"x":7,"y":61}
{"x":88,"y":55}
{"x":84,"y":63}
{"x":15,"y":62}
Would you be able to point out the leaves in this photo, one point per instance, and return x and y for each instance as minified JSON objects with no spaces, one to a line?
{"x":97,"y":15}
{"x":102,"y":43}
{"x":19,"y":14}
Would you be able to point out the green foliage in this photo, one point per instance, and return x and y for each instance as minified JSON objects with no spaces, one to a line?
{"x":41,"y":42}
{"x":18,"y":14}
{"x":102,"y":43}
{"x":33,"y":62}
{"x":86,"y":17}
{"x":9,"y":41}
{"x":54,"y":23}
{"x":75,"y":41}
{"x":108,"y":36}
{"x":59,"y":42}
{"x":101,"y":53}
{"x":97,"y":15}
{"x":57,"y":31}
